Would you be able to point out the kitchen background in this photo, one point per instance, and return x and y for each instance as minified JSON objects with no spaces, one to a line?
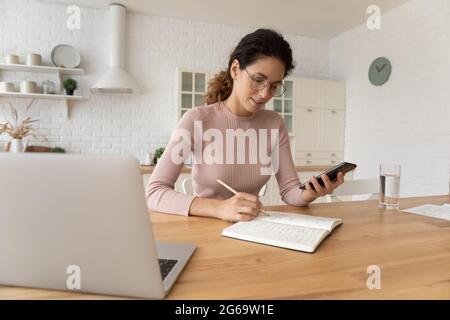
{"x":405,"y":121}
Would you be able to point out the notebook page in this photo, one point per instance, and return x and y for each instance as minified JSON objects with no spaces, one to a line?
{"x":282,"y":235}
{"x":301,"y":220}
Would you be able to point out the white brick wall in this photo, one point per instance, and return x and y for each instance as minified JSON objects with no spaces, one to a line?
{"x":408,"y":119}
{"x":156,"y":46}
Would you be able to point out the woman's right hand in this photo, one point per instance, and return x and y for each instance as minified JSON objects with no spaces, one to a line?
{"x":241,"y":207}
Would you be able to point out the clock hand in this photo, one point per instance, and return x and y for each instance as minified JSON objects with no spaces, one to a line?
{"x":378,"y":69}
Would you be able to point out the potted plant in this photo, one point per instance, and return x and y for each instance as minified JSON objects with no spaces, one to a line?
{"x":19,"y":129}
{"x":70,"y":85}
{"x":158,"y":153}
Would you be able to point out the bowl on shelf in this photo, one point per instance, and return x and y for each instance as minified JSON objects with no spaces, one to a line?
{"x":6,"y":86}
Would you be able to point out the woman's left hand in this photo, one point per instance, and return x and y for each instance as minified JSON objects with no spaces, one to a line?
{"x":310,"y":194}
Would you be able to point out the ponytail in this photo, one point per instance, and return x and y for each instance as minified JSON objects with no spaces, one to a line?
{"x":219,"y":87}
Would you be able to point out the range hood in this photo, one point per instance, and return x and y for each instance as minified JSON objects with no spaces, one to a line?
{"x":116,"y":79}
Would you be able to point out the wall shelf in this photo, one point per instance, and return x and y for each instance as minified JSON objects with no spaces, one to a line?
{"x":60,"y":72}
{"x":42,"y":69}
{"x":41,"y":96}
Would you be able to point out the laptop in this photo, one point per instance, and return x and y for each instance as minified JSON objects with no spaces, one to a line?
{"x":80,"y":223}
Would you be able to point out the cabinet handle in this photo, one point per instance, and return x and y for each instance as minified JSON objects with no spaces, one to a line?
{"x":333,"y":154}
{"x":308,"y":154}
{"x":308,"y":161}
{"x":309,"y":110}
{"x":333,"y":111}
{"x":333,"y":162}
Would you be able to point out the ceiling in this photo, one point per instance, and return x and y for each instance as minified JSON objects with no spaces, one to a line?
{"x":322,"y":19}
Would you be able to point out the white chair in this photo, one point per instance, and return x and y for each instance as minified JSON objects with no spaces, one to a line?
{"x":186,"y":186}
{"x":263,"y":190}
{"x":370,"y":187}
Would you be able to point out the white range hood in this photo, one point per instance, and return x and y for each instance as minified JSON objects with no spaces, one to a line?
{"x":116,"y":79}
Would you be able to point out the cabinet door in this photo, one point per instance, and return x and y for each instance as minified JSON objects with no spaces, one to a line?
{"x":284,"y":105}
{"x":332,"y":94}
{"x":191,"y":90}
{"x":332,"y":130}
{"x":307,"y":129}
{"x":307,"y":93}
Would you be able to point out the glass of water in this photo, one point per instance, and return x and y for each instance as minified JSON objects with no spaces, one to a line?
{"x":389,"y":186}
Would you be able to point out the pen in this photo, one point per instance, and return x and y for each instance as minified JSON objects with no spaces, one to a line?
{"x":235,"y":192}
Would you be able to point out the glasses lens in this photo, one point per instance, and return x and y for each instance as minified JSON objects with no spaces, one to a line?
{"x":258,"y":83}
{"x":277,"y":89}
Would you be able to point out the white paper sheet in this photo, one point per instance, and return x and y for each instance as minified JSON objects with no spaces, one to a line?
{"x":431,"y":210}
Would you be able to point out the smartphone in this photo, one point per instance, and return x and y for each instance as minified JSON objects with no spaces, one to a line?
{"x":343,"y":167}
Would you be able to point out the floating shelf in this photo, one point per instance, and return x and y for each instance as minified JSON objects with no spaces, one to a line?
{"x":43,"y":69}
{"x":41,"y":96}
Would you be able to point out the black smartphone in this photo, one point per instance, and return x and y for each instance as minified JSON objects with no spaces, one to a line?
{"x":343,"y":167}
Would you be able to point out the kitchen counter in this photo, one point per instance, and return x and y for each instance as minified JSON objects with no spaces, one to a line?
{"x":149,"y":169}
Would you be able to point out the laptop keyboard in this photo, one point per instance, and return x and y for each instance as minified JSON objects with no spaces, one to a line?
{"x":166,"y":265}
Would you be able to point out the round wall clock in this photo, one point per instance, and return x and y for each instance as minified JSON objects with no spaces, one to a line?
{"x":380,"y":71}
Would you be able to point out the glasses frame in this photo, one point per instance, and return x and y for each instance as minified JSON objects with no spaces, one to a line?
{"x":257,"y":87}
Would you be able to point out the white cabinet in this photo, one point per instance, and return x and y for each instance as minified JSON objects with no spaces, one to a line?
{"x":332,"y":94}
{"x":307,"y":129}
{"x":284,"y":105}
{"x":332,"y":129}
{"x":191,"y":89}
{"x":319,"y":121}
{"x":307,"y":93}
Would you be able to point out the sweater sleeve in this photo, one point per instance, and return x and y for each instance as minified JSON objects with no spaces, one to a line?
{"x":160,"y":193}
{"x":287,"y":178}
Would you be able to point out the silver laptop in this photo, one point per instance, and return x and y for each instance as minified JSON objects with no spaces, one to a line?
{"x":81,"y":223}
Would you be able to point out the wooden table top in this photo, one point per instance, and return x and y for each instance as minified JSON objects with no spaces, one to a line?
{"x":412,"y":251}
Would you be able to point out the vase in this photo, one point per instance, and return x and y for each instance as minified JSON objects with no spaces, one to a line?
{"x":69,"y":92}
{"x":16,"y":146}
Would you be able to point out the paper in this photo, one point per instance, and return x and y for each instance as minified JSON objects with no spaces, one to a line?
{"x":431,"y":210}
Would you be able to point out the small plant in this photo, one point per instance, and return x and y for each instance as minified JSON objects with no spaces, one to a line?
{"x":19,"y":129}
{"x":58,"y":150}
{"x":158,"y":153}
{"x":70,"y":85}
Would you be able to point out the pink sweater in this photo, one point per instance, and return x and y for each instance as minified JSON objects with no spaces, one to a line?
{"x":243,"y":176}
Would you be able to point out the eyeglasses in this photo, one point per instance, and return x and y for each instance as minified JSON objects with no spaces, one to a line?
{"x":259,"y":83}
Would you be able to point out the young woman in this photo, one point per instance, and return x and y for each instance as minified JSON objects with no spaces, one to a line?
{"x":235,"y":103}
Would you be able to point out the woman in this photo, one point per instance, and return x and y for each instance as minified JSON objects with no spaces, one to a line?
{"x":235,"y":103}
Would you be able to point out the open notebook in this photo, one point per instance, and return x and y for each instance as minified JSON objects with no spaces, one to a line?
{"x":287,"y":230}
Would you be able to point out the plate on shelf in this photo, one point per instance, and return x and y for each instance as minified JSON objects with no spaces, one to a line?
{"x":65,"y":56}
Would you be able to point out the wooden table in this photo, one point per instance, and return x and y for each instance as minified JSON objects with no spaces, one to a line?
{"x":412,"y":251}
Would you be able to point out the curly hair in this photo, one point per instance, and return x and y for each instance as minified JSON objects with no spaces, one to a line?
{"x":262,"y":42}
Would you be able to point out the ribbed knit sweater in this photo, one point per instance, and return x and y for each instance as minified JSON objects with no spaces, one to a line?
{"x":210,"y":163}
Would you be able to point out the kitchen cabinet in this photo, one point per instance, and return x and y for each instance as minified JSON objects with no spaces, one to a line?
{"x":191,"y":89}
{"x":319,"y":121}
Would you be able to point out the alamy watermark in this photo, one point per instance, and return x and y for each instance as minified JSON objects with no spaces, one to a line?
{"x":73,"y":281}
{"x":73,"y":22}
{"x":374,"y":20}
{"x":374,"y":280}
{"x":252,"y":146}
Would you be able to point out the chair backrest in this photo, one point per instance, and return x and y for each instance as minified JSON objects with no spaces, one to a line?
{"x":186,"y":186}
{"x":357,"y":187}
{"x":263,"y":190}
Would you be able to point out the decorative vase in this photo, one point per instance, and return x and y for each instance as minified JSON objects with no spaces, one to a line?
{"x":69,"y":92}
{"x":16,"y":146}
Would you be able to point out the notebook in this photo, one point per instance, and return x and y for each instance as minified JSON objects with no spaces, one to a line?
{"x":286,"y":230}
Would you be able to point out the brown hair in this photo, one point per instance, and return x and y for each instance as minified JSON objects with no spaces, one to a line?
{"x":262,"y":42}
